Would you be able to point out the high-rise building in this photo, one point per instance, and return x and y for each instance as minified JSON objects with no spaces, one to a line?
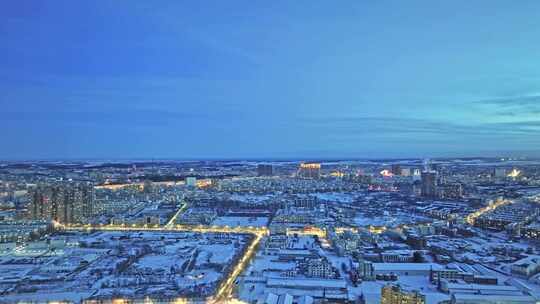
{"x":88,"y":201}
{"x":429,"y":184}
{"x":310,"y":170}
{"x":265,"y":170}
{"x":394,"y":294}
{"x":65,"y":203}
{"x":40,"y":201}
{"x":396,"y":169}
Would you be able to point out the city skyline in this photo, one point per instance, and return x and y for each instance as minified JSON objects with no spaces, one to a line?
{"x":284,"y":80}
{"x":447,"y":231}
{"x":270,"y":152}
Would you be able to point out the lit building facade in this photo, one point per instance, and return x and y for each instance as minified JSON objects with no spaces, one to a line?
{"x":393,"y":294}
{"x":64,"y":203}
{"x":265,"y":170}
{"x":310,"y":170}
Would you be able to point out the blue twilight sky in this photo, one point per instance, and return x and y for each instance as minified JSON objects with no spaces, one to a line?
{"x":233,"y":79}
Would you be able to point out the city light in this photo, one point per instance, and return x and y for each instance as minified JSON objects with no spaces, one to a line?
{"x":386,"y":173}
{"x":492,"y":206}
{"x":310,"y":166}
{"x":255,"y":152}
{"x":514,"y":173}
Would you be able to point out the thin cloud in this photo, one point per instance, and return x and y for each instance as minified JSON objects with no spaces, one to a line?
{"x":524,"y":100}
{"x":515,"y":106}
{"x":127,"y":117}
{"x":409,"y":127}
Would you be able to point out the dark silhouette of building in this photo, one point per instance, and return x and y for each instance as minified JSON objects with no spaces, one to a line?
{"x":429,"y":184}
{"x":63,"y":202}
{"x":396,"y":169}
{"x":265,"y":170}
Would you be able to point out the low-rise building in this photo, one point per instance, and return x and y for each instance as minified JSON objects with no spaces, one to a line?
{"x":394,"y":294}
{"x":527,"y":266}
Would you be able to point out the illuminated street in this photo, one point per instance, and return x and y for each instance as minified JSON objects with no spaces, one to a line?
{"x":227,"y":287}
{"x":225,"y":291}
{"x":496,"y":204}
{"x":351,"y":152}
{"x":171,"y":222}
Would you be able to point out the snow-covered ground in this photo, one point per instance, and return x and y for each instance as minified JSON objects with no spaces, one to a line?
{"x":126,"y":264}
{"x":241,"y":221}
